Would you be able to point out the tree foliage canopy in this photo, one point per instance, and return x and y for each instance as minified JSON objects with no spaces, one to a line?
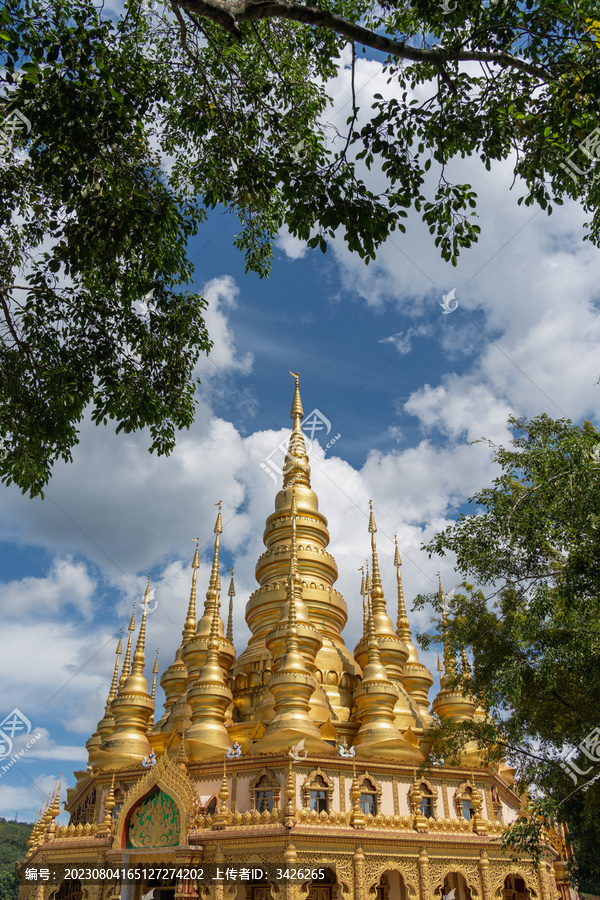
{"x":131,"y":128}
{"x":533,"y":624}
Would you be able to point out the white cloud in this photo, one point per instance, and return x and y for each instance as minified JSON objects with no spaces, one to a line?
{"x":67,"y":584}
{"x":221,"y":295}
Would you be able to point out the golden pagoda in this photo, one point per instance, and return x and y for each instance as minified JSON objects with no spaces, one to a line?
{"x":295,"y":756}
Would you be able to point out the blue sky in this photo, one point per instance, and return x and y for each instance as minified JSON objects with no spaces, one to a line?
{"x":406,"y":386}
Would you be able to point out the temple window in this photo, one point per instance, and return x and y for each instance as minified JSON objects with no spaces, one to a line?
{"x":467,"y":809}
{"x":426,"y":806}
{"x":368,"y":803}
{"x":317,"y":798}
{"x":422,"y":796}
{"x":263,"y":796}
{"x":317,"y":791}
{"x":212,"y":807}
{"x":265,"y":791}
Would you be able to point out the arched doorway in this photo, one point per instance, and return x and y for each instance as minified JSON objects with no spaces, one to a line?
{"x":455,"y":887}
{"x":162,"y":888}
{"x":68,"y":890}
{"x":391,"y":886}
{"x":325,"y":888}
{"x":515,"y":888}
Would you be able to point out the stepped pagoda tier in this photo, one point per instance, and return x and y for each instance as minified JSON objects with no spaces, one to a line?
{"x":295,"y":756}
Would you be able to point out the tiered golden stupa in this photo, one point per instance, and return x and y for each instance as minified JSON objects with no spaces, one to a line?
{"x":296,"y":754}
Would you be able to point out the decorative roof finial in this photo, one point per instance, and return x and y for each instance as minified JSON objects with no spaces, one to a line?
{"x":139,"y":656}
{"x":296,"y":466}
{"x":153,"y":693}
{"x":231,"y":593}
{"x":402,"y":626}
{"x":189,"y":629}
{"x":449,"y":660}
{"x":115,"y":679}
{"x":126,"y":662}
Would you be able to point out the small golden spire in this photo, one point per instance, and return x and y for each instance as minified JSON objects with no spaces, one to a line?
{"x":363,"y":593}
{"x":126,"y":662}
{"x":440,"y":667}
{"x":109,"y":805}
{"x":189,"y":629}
{"x":115,"y":679}
{"x":376,"y":589}
{"x":139,"y":657}
{"x":374,"y":670}
{"x":402,"y":626}
{"x":231,"y":593}
{"x":153,"y":694}
{"x":449,"y":661}
{"x":215,"y":581}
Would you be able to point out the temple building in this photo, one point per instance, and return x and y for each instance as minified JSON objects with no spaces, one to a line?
{"x":295,"y":754}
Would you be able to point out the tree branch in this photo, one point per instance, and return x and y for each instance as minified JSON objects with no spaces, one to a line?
{"x":227,"y":14}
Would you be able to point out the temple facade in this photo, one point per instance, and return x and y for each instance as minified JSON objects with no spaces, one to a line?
{"x":297,"y":758}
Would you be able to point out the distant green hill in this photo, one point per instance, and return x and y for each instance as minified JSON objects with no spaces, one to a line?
{"x":13,"y":847}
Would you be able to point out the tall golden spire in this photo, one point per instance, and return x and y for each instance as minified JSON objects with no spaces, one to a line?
{"x":107,"y":723}
{"x":383,"y":623}
{"x":296,"y":467}
{"x":231,"y":593}
{"x":402,"y":626}
{"x":131,"y":708}
{"x":376,"y":698}
{"x":189,"y":629}
{"x":139,"y":657}
{"x":115,"y":679}
{"x":209,"y":696}
{"x":416,"y":678}
{"x":126,"y":661}
{"x":214,"y":584}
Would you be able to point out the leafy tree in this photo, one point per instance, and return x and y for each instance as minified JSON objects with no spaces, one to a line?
{"x":533,"y":624}
{"x":13,"y":847}
{"x":234,"y":94}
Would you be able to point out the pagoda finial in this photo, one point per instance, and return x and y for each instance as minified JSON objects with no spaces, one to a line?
{"x":140,"y":648}
{"x":115,"y":679}
{"x":383,"y":623}
{"x":231,"y":593}
{"x":126,"y":662}
{"x":402,"y":626}
{"x":374,"y":670}
{"x":189,"y":629}
{"x":296,"y":466}
{"x":449,"y":661}
{"x":153,"y":693}
{"x":377,"y":589}
{"x":363,"y":593}
{"x":215,"y":579}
